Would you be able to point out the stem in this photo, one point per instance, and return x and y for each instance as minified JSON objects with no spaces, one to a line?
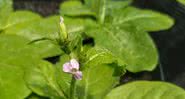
{"x":72,"y":88}
{"x":102,"y":11}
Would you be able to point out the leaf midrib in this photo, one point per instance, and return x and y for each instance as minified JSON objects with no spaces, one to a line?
{"x":134,"y":18}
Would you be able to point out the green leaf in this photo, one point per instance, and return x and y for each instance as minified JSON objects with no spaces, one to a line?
{"x":39,"y":74}
{"x":74,"y":25}
{"x":63,"y":79}
{"x":96,"y":56}
{"x":147,"y":90}
{"x":97,"y":81}
{"x":15,"y":45}
{"x":133,"y":46}
{"x":46,"y":27}
{"x":98,"y":66}
{"x":5,"y":10}
{"x":12,"y":84}
{"x":181,"y":1}
{"x":15,"y":51}
{"x":25,"y":23}
{"x":37,"y":29}
{"x":43,"y":49}
{"x":42,"y":81}
{"x":18,"y":17}
{"x":113,"y":4}
{"x":46,"y":49}
{"x":75,"y":8}
{"x":144,"y":19}
{"x":75,"y":43}
{"x":98,"y":7}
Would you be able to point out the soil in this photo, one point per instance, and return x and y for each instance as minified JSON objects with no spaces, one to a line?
{"x":170,"y":43}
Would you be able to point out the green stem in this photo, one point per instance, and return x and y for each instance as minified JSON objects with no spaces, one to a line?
{"x":72,"y":88}
{"x":102,"y":11}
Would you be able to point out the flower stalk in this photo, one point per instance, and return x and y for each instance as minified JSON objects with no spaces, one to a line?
{"x":72,"y":88}
{"x":72,"y":67}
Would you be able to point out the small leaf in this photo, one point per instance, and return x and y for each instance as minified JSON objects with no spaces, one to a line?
{"x":147,"y":90}
{"x":146,"y":20}
{"x":75,"y":43}
{"x":97,"y":55}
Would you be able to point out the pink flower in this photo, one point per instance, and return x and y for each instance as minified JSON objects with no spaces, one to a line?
{"x":72,"y":67}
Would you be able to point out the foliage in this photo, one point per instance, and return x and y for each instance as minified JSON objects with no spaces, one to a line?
{"x":181,"y":1}
{"x":121,"y":43}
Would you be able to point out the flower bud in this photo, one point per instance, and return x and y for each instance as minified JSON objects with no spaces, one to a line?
{"x":63,"y":32}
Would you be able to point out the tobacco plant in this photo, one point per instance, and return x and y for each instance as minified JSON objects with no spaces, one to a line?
{"x":81,"y":53}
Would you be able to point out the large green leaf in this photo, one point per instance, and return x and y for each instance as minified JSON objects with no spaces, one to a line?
{"x":8,"y":44}
{"x":25,"y":23}
{"x":117,"y":4}
{"x":5,"y":10}
{"x":47,"y":27}
{"x":15,"y":57}
{"x":133,"y":46}
{"x":97,"y":81}
{"x":12,"y":84}
{"x":39,"y":74}
{"x":15,"y":45}
{"x":19,"y":17}
{"x":46,"y":48}
{"x":181,"y":1}
{"x":75,"y":8}
{"x":147,"y":90}
{"x":98,"y":75}
{"x":144,"y":19}
{"x":41,"y":79}
{"x":36,"y":28}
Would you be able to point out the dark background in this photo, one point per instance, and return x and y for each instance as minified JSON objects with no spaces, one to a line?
{"x":170,"y":43}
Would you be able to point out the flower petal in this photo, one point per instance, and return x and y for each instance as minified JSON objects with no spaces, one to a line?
{"x":67,"y":67}
{"x":78,"y":75}
{"x":74,"y":64}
